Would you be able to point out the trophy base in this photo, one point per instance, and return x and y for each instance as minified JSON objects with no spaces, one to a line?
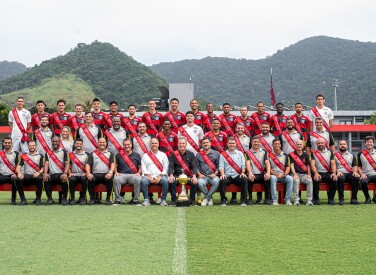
{"x":182,"y":203}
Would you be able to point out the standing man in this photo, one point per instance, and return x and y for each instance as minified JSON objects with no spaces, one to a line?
{"x":227,"y":120}
{"x":289,"y":137}
{"x":176,"y":118}
{"x":218,"y":138}
{"x":324,"y":169}
{"x":367,"y":167}
{"x":8,"y":162}
{"x":301,"y":122}
{"x":260,"y":117}
{"x":232,"y":170}
{"x":278,"y":121}
{"x":77,"y":172}
{"x":152,"y":119}
{"x":56,"y":169}
{"x":320,"y":132}
{"x":43,"y":136}
{"x":347,"y":170}
{"x":168,"y":140}
{"x":89,"y":133}
{"x":100,"y":168}
{"x":210,"y":115}
{"x":258,"y":167}
{"x":321,"y":111}
{"x":114,"y":112}
{"x":246,"y":120}
{"x":208,"y":161}
{"x":19,"y":121}
{"x":182,"y":161}
{"x":98,"y":116}
{"x":60,"y":118}
{"x":35,"y":118}
{"x":115,"y":136}
{"x":131,"y":122}
{"x":301,"y":171}
{"x":29,"y":170}
{"x":77,"y":120}
{"x":154,"y":165}
{"x":128,"y":171}
{"x":280,"y":172}
{"x":200,"y":118}
{"x":192,"y":132}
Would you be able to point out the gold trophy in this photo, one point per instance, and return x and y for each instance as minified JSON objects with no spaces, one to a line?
{"x":182,"y":198}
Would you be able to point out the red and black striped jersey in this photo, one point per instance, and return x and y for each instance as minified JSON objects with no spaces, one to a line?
{"x":281,"y":122}
{"x":259,"y":119}
{"x":58,"y":121}
{"x":172,"y":139}
{"x":230,"y":119}
{"x":156,"y":119}
{"x":248,"y":123}
{"x":179,"y":119}
{"x":35,"y":120}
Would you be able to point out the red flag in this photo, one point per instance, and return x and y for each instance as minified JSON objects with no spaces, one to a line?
{"x":272,"y":96}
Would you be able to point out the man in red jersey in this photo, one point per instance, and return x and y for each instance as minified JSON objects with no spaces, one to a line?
{"x":132,"y":120}
{"x":35,"y":118}
{"x":210,"y":115}
{"x":218,"y":138}
{"x":227,"y":120}
{"x":114,"y":112}
{"x":246,"y":120}
{"x":301,"y":122}
{"x":98,"y":115}
{"x":60,"y":118}
{"x":278,"y":121}
{"x":77,"y":120}
{"x":259,"y":117}
{"x":168,"y":140}
{"x":200,"y":118}
{"x":175,"y":117}
{"x":152,"y":119}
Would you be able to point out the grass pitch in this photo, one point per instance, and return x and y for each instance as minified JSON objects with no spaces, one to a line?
{"x":231,"y":240}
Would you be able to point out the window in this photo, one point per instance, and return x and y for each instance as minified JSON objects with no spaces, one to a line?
{"x":362,"y":136}
{"x":359,"y":119}
{"x":345,"y":122}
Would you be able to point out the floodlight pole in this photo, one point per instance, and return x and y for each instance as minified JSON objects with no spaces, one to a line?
{"x":335,"y":83}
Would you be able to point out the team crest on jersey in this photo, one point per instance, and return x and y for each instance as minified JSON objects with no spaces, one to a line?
{"x":178,"y":117}
{"x":11,"y":157}
{"x":60,"y":154}
{"x":195,"y":131}
{"x":325,"y":113}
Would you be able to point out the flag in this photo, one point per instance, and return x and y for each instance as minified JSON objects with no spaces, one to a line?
{"x":272,"y":96}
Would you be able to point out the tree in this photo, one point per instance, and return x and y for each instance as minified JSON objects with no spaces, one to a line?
{"x":4,"y":111}
{"x":372,"y":120}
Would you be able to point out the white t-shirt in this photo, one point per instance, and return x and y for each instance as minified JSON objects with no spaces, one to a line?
{"x":196,"y":133}
{"x":25,"y":118}
{"x":326,"y":113}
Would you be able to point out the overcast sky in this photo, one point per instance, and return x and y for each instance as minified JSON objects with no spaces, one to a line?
{"x":169,"y":30}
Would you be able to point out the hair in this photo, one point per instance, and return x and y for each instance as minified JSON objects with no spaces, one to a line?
{"x":216,"y":119}
{"x":279,"y":104}
{"x":89,"y":113}
{"x":69,"y":133}
{"x":369,"y":138}
{"x":175,"y":99}
{"x":78,"y":139}
{"x":318,"y":118}
{"x":96,"y":100}
{"x":78,"y":105}
{"x":114,"y":102}
{"x":189,"y":113}
{"x":320,"y":95}
{"x":298,"y":103}
{"x":151,"y":99}
{"x":115,"y":118}
{"x":44,"y":116}
{"x":207,"y":104}
{"x":182,"y":137}
{"x":20,"y":97}
{"x":260,"y":102}
{"x":276,"y":140}
{"x":192,"y":100}
{"x":289,"y":118}
{"x":205,"y":138}
{"x":231,"y":138}
{"x":226,"y":104}
{"x":40,"y":101}
{"x":265,"y":123}
{"x":240,"y":123}
{"x":244,"y":107}
{"x":61,"y":101}
{"x":127,"y":139}
{"x":31,"y":141}
{"x":342,"y":140}
{"x":255,"y":137}
{"x":141,"y":122}
{"x":131,"y":105}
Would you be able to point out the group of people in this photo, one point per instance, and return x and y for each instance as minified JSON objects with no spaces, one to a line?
{"x":155,"y":149}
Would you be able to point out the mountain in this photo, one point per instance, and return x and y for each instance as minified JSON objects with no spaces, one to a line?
{"x":300,"y":72}
{"x":8,"y":69}
{"x":110,"y":73}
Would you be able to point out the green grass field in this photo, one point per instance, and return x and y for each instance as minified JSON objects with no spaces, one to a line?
{"x":232,"y":240}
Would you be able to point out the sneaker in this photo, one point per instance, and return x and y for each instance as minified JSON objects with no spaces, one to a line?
{"x":64,"y":201}
{"x":288,"y":203}
{"x":296,"y":202}
{"x":108,"y":202}
{"x":131,"y":201}
{"x":122,"y":200}
{"x":38,"y":202}
{"x":82,"y":201}
{"x":159,"y":200}
{"x":309,"y":203}
{"x":249,"y":202}
{"x":72,"y":202}
{"x":331,"y":202}
{"x":50,"y":202}
{"x":34,"y":201}
{"x":97,"y":201}
{"x":199,"y":201}
{"x":173,"y":203}
{"x":13,"y":201}
{"x":223,"y":203}
{"x":192,"y":203}
{"x":151,"y":200}
{"x":204,"y":202}
{"x":268,"y":202}
{"x":317,"y":202}
{"x":341,"y":202}
{"x":354,"y":201}
{"x":91,"y":202}
{"x":374,"y":199}
{"x":259,"y":201}
{"x":233,"y":201}
{"x":146,"y":203}
{"x":210,"y":203}
{"x":23,"y":202}
{"x":367,"y":201}
{"x":243,"y":203}
{"x":117,"y":202}
{"x":163,"y":203}
{"x":275,"y":203}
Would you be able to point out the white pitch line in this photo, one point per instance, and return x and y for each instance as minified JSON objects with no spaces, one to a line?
{"x":179,"y":263}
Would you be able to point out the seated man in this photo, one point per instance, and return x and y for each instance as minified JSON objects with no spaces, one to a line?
{"x":8,"y":162}
{"x":31,"y":164}
{"x":100,"y":168}
{"x":182,"y":161}
{"x":301,"y":172}
{"x":154,"y":165}
{"x":367,"y":167}
{"x":232,"y":169}
{"x":208,"y":161}
{"x":280,"y":170}
{"x":77,"y":172}
{"x":324,"y":169}
{"x":128,"y":171}
{"x":56,"y":169}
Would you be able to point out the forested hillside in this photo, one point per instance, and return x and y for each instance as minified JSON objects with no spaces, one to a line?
{"x":10,"y":68}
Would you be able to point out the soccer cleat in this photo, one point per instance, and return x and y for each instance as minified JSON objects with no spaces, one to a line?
{"x":288,"y":203}
{"x":204,"y":202}
{"x":331,"y":202}
{"x":146,"y":203}
{"x":163,"y":203}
